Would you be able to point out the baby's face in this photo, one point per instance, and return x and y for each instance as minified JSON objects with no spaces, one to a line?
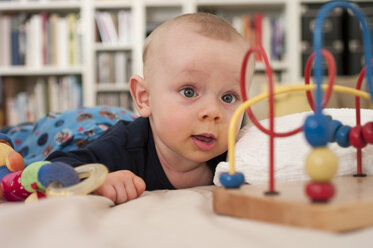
{"x":194,"y":91}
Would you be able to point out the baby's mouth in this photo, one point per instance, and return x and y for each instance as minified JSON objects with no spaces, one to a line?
{"x":204,"y":142}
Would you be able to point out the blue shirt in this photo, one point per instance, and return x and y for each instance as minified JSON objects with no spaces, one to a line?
{"x":126,"y":146}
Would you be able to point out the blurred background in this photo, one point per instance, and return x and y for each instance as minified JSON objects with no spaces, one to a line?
{"x":57,"y":55}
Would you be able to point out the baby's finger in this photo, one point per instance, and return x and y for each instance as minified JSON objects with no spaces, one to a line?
{"x":139,"y":185}
{"x":107,"y":191}
{"x":121,"y":195}
{"x":131,"y":190}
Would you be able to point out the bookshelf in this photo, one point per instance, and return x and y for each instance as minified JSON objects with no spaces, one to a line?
{"x":40,"y":53}
{"x":113,"y":52}
{"x":341,"y":33}
{"x":96,"y":49}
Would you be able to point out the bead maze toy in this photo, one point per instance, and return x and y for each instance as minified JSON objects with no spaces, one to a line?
{"x":333,"y":204}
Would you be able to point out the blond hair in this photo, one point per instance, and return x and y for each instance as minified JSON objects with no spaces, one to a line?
{"x":208,"y":25}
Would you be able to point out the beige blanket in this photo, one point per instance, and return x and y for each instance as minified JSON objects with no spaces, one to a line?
{"x":178,"y":218}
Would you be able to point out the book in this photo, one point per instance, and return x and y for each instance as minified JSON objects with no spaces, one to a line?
{"x":52,"y":39}
{"x":62,"y":42}
{"x":5,"y":40}
{"x":71,"y":51}
{"x":40,"y":105}
{"x":277,"y":41}
{"x":120,"y":69}
{"x":266,"y":34}
{"x":106,"y":27}
{"x":53,"y":94}
{"x":44,"y":27}
{"x":125,"y":26}
{"x":103,"y":67}
{"x":34,"y":43}
{"x":258,"y":36}
{"x":119,"y":99}
{"x":37,"y":41}
{"x":110,"y":26}
{"x":262,"y":30}
{"x":22,"y":38}
{"x":78,"y":42}
{"x":103,"y":35}
{"x":14,"y":41}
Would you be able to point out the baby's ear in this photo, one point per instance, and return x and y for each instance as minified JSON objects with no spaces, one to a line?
{"x":140,"y":95}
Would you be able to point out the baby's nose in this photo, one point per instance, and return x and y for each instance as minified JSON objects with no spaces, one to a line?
{"x":211,"y":111}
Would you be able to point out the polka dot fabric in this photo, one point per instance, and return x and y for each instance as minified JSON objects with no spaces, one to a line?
{"x":64,"y":131}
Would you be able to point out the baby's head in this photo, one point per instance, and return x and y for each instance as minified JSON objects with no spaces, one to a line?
{"x":204,"y":24}
{"x":191,"y":87}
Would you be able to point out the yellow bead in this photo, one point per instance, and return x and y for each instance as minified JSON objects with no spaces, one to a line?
{"x":321,"y":164}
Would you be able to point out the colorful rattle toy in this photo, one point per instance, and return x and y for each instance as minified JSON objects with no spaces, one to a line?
{"x":321,"y":163}
{"x":36,"y":177}
{"x":46,"y":179}
{"x":43,"y":178}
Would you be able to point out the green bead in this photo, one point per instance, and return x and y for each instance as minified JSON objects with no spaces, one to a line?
{"x":30,"y":176}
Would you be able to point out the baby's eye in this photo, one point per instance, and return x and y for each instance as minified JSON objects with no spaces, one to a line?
{"x":229,"y":98}
{"x":188,"y":92}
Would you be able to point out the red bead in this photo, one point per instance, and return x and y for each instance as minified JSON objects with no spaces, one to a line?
{"x":356,"y":137}
{"x":12,"y":187}
{"x":320,"y":192}
{"x":368,"y":132}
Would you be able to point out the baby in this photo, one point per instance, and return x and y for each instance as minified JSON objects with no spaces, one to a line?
{"x":186,"y":99}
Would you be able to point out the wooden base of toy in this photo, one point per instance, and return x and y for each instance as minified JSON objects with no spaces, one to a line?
{"x":351,"y":208}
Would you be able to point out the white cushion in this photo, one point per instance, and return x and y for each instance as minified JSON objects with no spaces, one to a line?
{"x":252,"y":149}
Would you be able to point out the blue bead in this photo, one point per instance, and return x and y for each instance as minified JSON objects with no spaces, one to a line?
{"x":334,"y":125}
{"x":60,"y":172}
{"x":341,"y":136}
{"x":232,"y":181}
{"x":316,"y":130}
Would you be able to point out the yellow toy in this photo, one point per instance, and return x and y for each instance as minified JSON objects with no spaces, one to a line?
{"x":8,"y":157}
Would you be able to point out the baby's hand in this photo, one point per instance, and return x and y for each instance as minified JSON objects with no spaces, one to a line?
{"x":121,"y":186}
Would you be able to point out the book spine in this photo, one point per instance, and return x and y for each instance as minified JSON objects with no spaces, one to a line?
{"x":44,"y":24}
{"x":5,"y":24}
{"x":62,"y":42}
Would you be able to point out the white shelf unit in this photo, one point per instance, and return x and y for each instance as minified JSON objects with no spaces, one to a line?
{"x":40,"y":6}
{"x":41,"y":71}
{"x":97,"y":47}
{"x":143,"y":12}
{"x":37,"y":7}
{"x":31,"y":75}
